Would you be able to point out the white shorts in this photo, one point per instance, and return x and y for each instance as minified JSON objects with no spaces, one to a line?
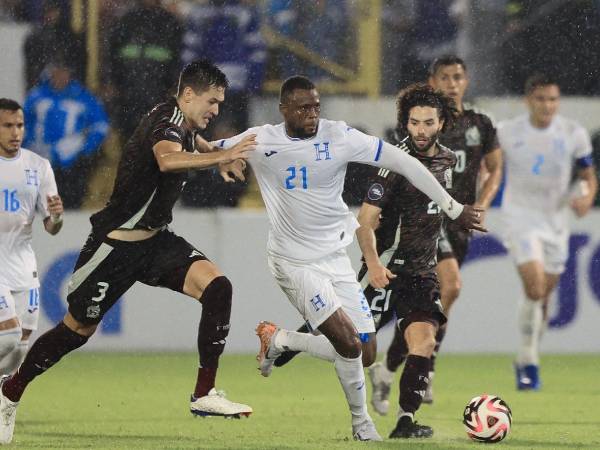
{"x":317,"y":289}
{"x":22,"y":304}
{"x":551,"y":249}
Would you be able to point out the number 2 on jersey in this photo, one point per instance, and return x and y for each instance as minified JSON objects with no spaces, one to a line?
{"x":290,"y":181}
{"x":11,"y":201}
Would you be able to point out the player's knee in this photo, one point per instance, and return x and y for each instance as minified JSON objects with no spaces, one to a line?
{"x":424,"y":347}
{"x":216,"y":309}
{"x":349,"y":346}
{"x":534,"y":291}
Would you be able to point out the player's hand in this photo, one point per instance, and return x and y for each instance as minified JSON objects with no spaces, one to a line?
{"x":380,"y":276}
{"x":241,"y":150}
{"x":55,"y":206}
{"x":235,"y":168}
{"x":581,"y":205}
{"x":471,"y":218}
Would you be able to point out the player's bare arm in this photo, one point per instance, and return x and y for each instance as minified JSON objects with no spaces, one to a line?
{"x":368,"y":218}
{"x":493,"y":166}
{"x":54,"y":222}
{"x":582,"y":204}
{"x":171,"y":158}
{"x":226,"y":170}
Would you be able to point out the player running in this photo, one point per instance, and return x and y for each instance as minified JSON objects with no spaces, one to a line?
{"x":300,"y":166}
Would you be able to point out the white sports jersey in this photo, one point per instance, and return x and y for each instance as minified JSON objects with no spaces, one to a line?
{"x":301,"y":181}
{"x":539,"y":165}
{"x":25,"y":181}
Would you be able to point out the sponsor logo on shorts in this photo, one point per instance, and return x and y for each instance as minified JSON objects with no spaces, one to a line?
{"x":93,"y":312}
{"x":375,"y":191}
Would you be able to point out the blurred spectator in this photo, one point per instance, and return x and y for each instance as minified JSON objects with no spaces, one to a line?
{"x":596,"y":157}
{"x":144,"y":61}
{"x":322,"y":28}
{"x":67,"y":125}
{"x":226,"y":32}
{"x":53,"y":35}
{"x":543,"y":36}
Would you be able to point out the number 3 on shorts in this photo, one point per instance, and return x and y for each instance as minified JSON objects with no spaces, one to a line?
{"x":102,"y":288}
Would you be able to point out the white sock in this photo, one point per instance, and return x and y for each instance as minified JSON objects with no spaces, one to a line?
{"x":9,"y":339}
{"x":11,"y":362}
{"x":531,"y":323}
{"x":386,"y":373}
{"x":352,"y":378}
{"x":317,"y":346}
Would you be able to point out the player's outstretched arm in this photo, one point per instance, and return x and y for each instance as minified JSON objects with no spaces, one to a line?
{"x":170,"y":157}
{"x":368,"y":218}
{"x":54,"y":222}
{"x":415,"y":172}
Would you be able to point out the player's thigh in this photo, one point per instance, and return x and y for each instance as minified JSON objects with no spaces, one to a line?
{"x":450,"y":281}
{"x":178,"y":265}
{"x":105,"y":270}
{"x":8,"y":313}
{"x":307,"y":288}
{"x":27,"y":304}
{"x":556,"y":252}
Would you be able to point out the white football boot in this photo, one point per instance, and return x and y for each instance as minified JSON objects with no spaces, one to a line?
{"x":365,"y":431}
{"x":215,"y":404}
{"x":8,"y":414}
{"x":266,"y":332}
{"x":381,"y":383}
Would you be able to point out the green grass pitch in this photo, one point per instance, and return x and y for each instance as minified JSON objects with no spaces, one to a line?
{"x":123,"y":401}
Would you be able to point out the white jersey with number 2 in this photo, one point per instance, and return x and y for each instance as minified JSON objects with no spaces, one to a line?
{"x":25,"y":181}
{"x":539,"y":167}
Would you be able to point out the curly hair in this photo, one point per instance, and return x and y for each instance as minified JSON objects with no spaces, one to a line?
{"x":421,"y":94}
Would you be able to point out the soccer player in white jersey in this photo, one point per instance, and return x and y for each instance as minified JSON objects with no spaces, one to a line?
{"x":543,"y":149}
{"x":300,"y":166}
{"x":26,"y":185}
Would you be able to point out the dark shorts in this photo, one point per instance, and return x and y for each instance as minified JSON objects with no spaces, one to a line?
{"x":107,"y":268}
{"x":453,"y":243}
{"x":408,"y":298}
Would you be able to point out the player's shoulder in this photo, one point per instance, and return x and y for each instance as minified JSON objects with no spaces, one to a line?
{"x":167,"y":111}
{"x":335,"y":127}
{"x":446,"y":153}
{"x":479,"y":115}
{"x":568,"y":125}
{"x":33,"y":158}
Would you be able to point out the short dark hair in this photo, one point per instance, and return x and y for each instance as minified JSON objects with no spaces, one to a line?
{"x":293,"y":83}
{"x":539,"y":80}
{"x":422,"y":94}
{"x":200,"y":75}
{"x":446,"y":60}
{"x":6,"y":104}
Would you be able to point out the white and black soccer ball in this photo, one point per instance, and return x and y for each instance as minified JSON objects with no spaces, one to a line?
{"x":487,"y":418}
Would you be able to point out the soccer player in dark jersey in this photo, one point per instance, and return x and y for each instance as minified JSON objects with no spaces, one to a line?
{"x":398,"y":235}
{"x":130,"y":241}
{"x":472,"y":137}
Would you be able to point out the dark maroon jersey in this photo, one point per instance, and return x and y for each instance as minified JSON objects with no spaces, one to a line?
{"x":143,"y":196}
{"x":471,"y":136}
{"x":410,"y":222}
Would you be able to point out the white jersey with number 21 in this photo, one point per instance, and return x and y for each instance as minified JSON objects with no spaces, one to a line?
{"x":301,"y":181}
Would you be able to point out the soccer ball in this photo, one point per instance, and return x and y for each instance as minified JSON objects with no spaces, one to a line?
{"x":487,"y":418}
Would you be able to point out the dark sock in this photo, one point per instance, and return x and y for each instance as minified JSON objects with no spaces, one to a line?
{"x":397,"y":351}
{"x":413,"y":382}
{"x":46,"y":351}
{"x":213,"y":329}
{"x":439,"y":337}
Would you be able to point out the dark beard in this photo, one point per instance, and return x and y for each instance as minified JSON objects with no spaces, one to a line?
{"x":414,"y":147}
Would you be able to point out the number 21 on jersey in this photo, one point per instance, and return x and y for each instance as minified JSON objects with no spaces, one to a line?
{"x":297,"y":178}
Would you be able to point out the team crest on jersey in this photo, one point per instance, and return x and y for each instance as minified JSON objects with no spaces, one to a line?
{"x":472,"y":136}
{"x":375,"y":192}
{"x":448,"y":177}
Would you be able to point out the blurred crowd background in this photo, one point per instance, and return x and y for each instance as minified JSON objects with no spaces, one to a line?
{"x":107,"y":62}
